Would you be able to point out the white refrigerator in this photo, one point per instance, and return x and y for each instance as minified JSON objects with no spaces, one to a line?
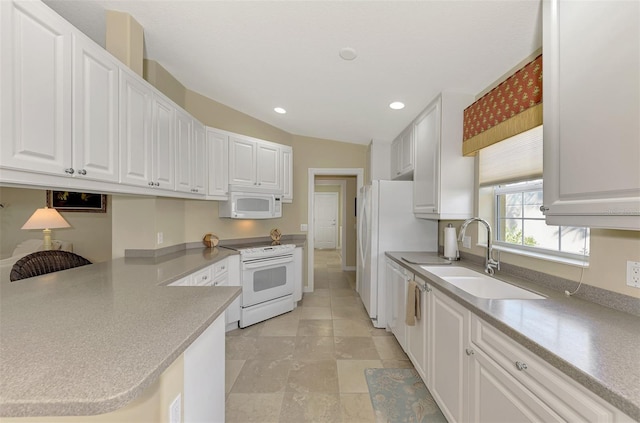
{"x":386,"y":223}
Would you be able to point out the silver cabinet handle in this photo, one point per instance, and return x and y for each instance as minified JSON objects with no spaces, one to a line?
{"x":469,"y":351}
{"x":544,"y":209}
{"x":82,"y":172}
{"x":205,"y":277}
{"x":521,"y":366}
{"x":69,"y":170}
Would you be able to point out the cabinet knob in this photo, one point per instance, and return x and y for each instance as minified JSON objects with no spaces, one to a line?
{"x":151,"y":183}
{"x":157,"y":184}
{"x":82,"y":172}
{"x":69,"y":170}
{"x":469,"y":351}
{"x":205,"y":277}
{"x":521,"y":366}
{"x":544,"y":209}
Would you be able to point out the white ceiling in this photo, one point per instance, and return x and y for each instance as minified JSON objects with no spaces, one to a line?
{"x":256,"y":55}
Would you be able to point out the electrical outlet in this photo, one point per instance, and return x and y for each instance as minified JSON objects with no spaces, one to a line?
{"x":466,"y":241}
{"x":160,"y":238}
{"x":633,"y":274}
{"x":175,"y":414}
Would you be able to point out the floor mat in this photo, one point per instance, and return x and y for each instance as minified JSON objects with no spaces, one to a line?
{"x":400,"y":396}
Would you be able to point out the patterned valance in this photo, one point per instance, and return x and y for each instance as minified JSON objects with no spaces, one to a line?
{"x":512,"y":107}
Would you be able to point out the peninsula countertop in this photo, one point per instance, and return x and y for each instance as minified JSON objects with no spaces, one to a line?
{"x":88,"y":340}
{"x":595,"y":345}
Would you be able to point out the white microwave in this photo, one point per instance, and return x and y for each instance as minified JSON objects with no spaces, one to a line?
{"x":251,"y":205}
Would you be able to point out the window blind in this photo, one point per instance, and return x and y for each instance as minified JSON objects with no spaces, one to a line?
{"x":513,"y":160}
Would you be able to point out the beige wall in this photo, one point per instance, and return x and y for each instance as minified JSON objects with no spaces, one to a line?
{"x":157,"y":76}
{"x":90,"y":233}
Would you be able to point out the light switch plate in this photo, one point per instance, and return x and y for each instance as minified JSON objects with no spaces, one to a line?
{"x":304,"y":227}
{"x":160,"y":238}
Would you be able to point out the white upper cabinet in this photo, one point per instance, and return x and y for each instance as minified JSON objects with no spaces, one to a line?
{"x":242,"y":161}
{"x":35,"y":88}
{"x":218,"y":164}
{"x":184,"y":148}
{"x":254,"y":164}
{"x":199,"y":159}
{"x":287,"y":173}
{"x":135,"y":131}
{"x":95,"y":112}
{"x":442,"y":178}
{"x":591,"y":109}
{"x":163,"y":142}
{"x":402,"y":155}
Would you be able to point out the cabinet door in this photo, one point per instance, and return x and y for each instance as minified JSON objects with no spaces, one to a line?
{"x":163,"y":143}
{"x":242,"y":161}
{"x":95,"y":112}
{"x":268,"y":166}
{"x":448,"y":363}
{"x":406,"y":152}
{"x":396,"y":147}
{"x":218,"y":166}
{"x":417,"y":335}
{"x":198,"y":158}
{"x":591,"y":131}
{"x":35,"y":88}
{"x":135,"y":130}
{"x":287,"y":174}
{"x":426,"y":174}
{"x":495,"y":396}
{"x":184,"y":134}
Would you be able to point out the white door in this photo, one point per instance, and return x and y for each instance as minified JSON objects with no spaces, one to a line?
{"x":163,"y":143}
{"x":184,"y":137}
{"x":268,"y":166}
{"x":198,"y":158}
{"x":326,"y":220}
{"x":218,"y":168}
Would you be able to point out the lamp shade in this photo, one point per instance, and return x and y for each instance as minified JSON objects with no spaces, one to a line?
{"x":46,"y":218}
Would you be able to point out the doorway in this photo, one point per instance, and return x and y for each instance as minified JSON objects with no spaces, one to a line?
{"x":356,"y":175}
{"x":327,"y":221}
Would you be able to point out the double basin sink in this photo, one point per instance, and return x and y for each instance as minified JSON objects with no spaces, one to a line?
{"x":479,"y":284}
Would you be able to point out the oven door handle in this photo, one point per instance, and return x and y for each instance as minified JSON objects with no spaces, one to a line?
{"x":267,"y":263}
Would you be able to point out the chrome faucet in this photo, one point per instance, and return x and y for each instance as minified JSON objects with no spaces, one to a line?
{"x":490,"y":265}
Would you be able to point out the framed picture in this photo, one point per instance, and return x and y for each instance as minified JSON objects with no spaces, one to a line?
{"x":77,"y":201}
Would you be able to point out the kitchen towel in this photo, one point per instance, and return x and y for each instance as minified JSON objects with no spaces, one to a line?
{"x":450,"y":243}
{"x":413,"y":303}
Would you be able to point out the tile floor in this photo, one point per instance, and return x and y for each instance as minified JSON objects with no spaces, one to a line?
{"x":308,"y":365}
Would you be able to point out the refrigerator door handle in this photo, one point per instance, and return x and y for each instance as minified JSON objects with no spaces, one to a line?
{"x":363,"y":201}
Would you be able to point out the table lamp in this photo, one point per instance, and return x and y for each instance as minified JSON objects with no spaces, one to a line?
{"x":46,"y":219}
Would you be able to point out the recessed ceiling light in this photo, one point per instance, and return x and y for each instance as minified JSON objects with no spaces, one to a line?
{"x":397,"y":105}
{"x":280,"y":110}
{"x":348,"y":53}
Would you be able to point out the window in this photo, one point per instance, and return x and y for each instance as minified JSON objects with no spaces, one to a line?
{"x":510,"y":177}
{"x":519,"y":222}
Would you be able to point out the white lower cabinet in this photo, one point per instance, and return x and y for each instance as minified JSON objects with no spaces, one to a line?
{"x":477,"y":374}
{"x":448,"y":362}
{"x":417,"y":334}
{"x":509,"y":383}
{"x":396,"y":287}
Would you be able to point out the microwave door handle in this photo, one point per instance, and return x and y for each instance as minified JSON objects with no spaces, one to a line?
{"x":263,"y":263}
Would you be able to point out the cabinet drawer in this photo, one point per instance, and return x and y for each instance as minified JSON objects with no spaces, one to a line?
{"x":563,"y":395}
{"x":220,"y":268}
{"x":202,"y":277}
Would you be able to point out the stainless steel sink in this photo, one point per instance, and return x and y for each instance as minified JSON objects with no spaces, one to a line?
{"x":481,"y":285}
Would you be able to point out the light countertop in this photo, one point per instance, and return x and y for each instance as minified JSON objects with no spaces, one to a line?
{"x":595,"y":345}
{"x":88,"y":340}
